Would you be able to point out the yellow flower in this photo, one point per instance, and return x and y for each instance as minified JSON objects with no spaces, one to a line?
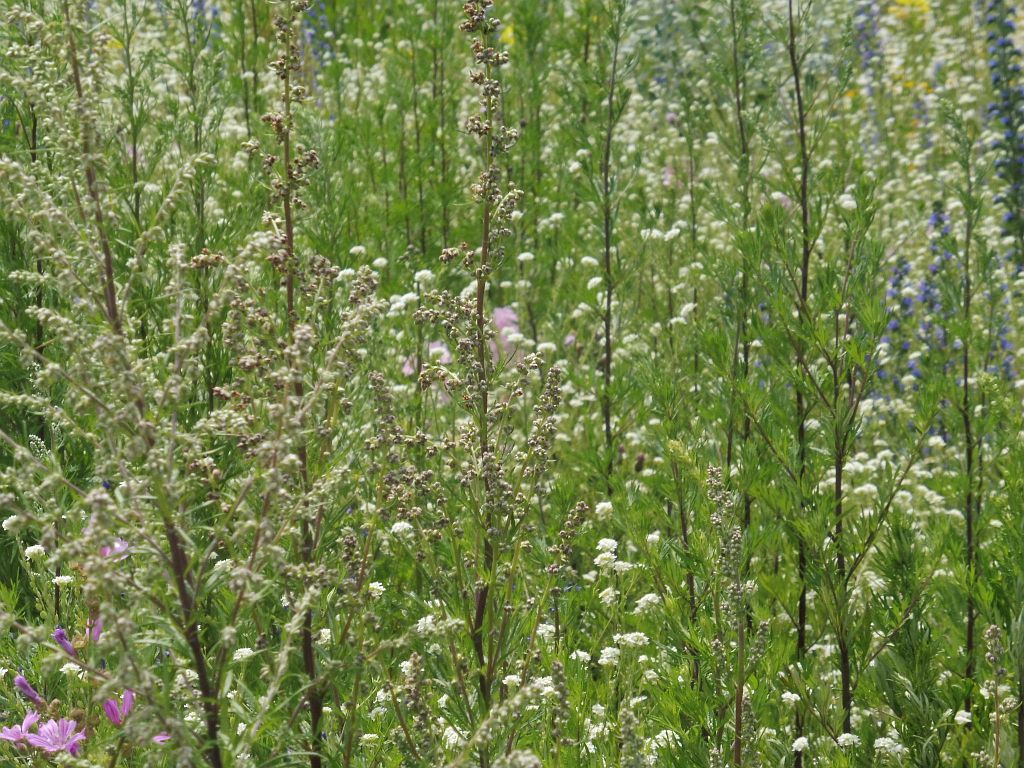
{"x":917,"y":5}
{"x":508,"y":35}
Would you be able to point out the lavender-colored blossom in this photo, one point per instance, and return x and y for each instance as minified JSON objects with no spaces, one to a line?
{"x":435,"y":350}
{"x":94,"y":627}
{"x":62,"y":639}
{"x":25,"y":689}
{"x":117,"y":713}
{"x":57,"y":736}
{"x":119,"y":551}
{"x":18,"y":733}
{"x":507,"y":322}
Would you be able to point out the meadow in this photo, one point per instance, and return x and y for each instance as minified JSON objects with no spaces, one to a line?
{"x":532,"y":384}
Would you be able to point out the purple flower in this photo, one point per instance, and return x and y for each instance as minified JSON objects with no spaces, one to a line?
{"x":162,"y":738}
{"x":506,"y":317}
{"x":19,"y":732}
{"x":26,"y":690}
{"x":94,"y":626}
{"x":119,"y":551}
{"x":435,"y":350}
{"x":62,"y":639}
{"x":116,"y":714}
{"x":507,"y":322}
{"x":57,"y":736}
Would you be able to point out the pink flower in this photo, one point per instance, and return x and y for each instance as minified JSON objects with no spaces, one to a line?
{"x":25,"y":689}
{"x":61,"y":638}
{"x":436,"y":350}
{"x":57,"y":736}
{"x":505,"y":318}
{"x":507,"y":322}
{"x":119,"y":551}
{"x":95,"y":628}
{"x":162,"y":738}
{"x":19,"y":732}
{"x":115,"y":713}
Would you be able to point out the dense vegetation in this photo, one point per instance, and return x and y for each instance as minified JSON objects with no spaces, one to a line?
{"x":559,"y":383}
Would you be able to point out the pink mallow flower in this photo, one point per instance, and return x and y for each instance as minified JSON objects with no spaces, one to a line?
{"x":117,"y":713}
{"x":436,"y":350}
{"x":57,"y":736}
{"x":507,"y":322}
{"x":18,"y":733}
{"x":119,"y":551}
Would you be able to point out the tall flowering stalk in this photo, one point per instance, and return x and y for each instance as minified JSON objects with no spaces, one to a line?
{"x":294,"y":167}
{"x":495,"y":139}
{"x":1007,"y":113}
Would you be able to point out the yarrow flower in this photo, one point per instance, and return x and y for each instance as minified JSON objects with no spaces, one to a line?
{"x":801,"y":744}
{"x":848,"y":740}
{"x":889,"y":746}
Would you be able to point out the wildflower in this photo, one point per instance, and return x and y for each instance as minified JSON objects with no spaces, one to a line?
{"x":607,"y":545}
{"x":581,"y":656}
{"x":62,"y":581}
{"x":11,"y":522}
{"x":161,"y":738}
{"x":71,"y":668}
{"x":34,"y":552}
{"x":402,"y":529}
{"x":889,"y":746}
{"x":646,"y":603}
{"x":94,"y":628}
{"x":790,"y":698}
{"x":18,"y":733}
{"x":605,"y":560}
{"x":609,"y":657}
{"x":375,"y":588}
{"x":801,"y":744}
{"x":242,"y":654}
{"x":62,"y":639}
{"x":452,"y":738}
{"x":57,"y":736}
{"x":117,"y":713}
{"x":848,"y":740}
{"x":603,"y":510}
{"x":26,"y":690}
{"x":963,"y":718}
{"x":119,"y":551}
{"x":632,"y":639}
{"x":507,"y":322}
